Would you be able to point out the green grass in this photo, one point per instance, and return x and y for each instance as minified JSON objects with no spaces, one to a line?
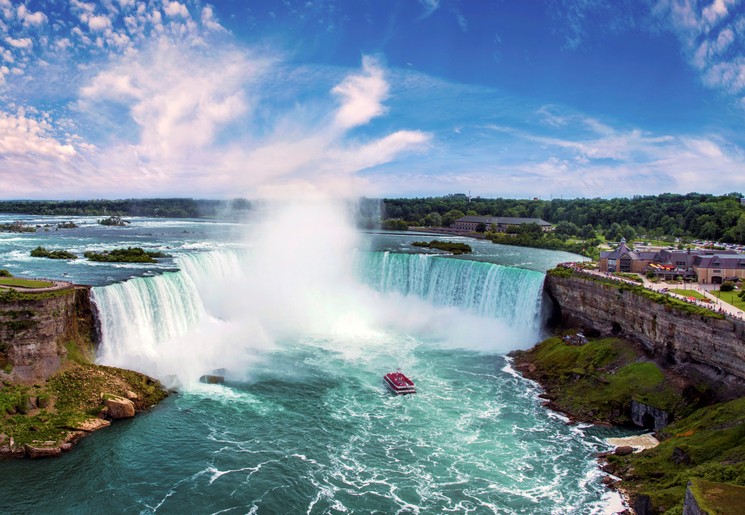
{"x":68,"y":398}
{"x":25,"y":283}
{"x":713,"y":441}
{"x":689,"y":293}
{"x":718,"y":498}
{"x":730,"y":297}
{"x":598,"y":380}
{"x":8,"y":295}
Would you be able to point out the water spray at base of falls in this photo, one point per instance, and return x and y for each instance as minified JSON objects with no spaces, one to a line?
{"x":304,"y":277}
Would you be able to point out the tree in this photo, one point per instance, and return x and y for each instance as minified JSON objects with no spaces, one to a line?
{"x":481,"y":227}
{"x":629,"y":233}
{"x":614,"y":233}
{"x":738,"y":231}
{"x":568,"y":228}
{"x":588,"y":232}
{"x":433,"y":220}
{"x":451,"y":216}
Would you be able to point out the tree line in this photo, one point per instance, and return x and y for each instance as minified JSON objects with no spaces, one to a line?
{"x":156,"y":207}
{"x":696,"y":215}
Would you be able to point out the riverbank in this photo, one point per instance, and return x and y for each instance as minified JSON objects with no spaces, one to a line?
{"x":613,"y":381}
{"x":51,"y":393}
{"x":45,"y":419}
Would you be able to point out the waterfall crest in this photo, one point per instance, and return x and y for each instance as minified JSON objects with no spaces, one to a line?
{"x":213,"y":314}
{"x":484,"y":289}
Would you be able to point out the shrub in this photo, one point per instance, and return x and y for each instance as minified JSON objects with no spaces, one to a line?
{"x":128,"y":255}
{"x":727,"y":286}
{"x":5,"y":273}
{"x":448,"y":246}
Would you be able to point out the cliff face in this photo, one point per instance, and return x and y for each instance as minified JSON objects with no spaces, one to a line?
{"x":37,"y":330}
{"x":668,"y":333}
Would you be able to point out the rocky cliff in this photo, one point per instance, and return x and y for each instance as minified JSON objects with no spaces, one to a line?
{"x":675,"y":335}
{"x":38,"y":330}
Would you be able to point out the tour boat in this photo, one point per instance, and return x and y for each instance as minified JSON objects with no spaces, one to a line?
{"x":399,"y":383}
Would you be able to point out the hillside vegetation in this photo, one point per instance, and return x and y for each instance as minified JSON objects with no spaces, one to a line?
{"x":694,"y":215}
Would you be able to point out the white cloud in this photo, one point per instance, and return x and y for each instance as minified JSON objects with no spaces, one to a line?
{"x":176,"y":9}
{"x":174,"y":97}
{"x":362,"y":95}
{"x":19,"y":42}
{"x":430,"y":6}
{"x":462,"y":22}
{"x":208,"y":19}
{"x":29,"y":18}
{"x":728,"y":75}
{"x":717,"y":10}
{"x":24,"y":135}
{"x":708,"y":37}
{"x":98,"y":23}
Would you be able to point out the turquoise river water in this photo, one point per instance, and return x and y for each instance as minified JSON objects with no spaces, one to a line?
{"x":303,"y":423}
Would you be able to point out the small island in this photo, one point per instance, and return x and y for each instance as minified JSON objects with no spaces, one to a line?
{"x":113,"y":221}
{"x":447,"y":246}
{"x":128,"y":255}
{"x":52,"y":254}
{"x":16,"y":227}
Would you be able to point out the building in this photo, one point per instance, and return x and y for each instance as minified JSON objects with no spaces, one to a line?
{"x":623,"y":259}
{"x":720,"y":267}
{"x":704,"y":266}
{"x":502,"y":223}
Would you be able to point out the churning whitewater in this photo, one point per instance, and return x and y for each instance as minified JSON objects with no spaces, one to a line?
{"x":304,"y":423}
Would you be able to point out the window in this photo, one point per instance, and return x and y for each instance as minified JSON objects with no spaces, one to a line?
{"x":625,"y":264}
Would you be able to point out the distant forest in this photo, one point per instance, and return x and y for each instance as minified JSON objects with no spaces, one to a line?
{"x":695,"y":215}
{"x":156,"y":207}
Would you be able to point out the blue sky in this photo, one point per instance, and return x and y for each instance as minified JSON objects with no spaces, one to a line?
{"x":571,"y":98}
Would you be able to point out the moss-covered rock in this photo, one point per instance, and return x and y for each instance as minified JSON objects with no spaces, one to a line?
{"x":709,"y":444}
{"x":65,"y":402}
{"x":597,"y":381}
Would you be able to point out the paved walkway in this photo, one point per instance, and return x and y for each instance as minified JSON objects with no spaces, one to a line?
{"x":716,"y":303}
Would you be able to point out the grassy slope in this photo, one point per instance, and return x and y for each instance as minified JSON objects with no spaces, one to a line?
{"x":709,"y":444}
{"x":46,"y":412}
{"x":597,"y":381}
{"x":718,"y":497}
{"x":689,"y":293}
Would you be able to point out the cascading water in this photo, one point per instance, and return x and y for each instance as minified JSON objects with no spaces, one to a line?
{"x":139,"y":315}
{"x":149,"y":323}
{"x":484,"y":289}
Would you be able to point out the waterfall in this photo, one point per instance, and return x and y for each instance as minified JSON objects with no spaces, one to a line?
{"x":484,"y":289}
{"x":214,"y":309}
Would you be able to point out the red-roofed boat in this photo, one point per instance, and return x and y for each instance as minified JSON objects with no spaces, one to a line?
{"x":399,"y":383}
